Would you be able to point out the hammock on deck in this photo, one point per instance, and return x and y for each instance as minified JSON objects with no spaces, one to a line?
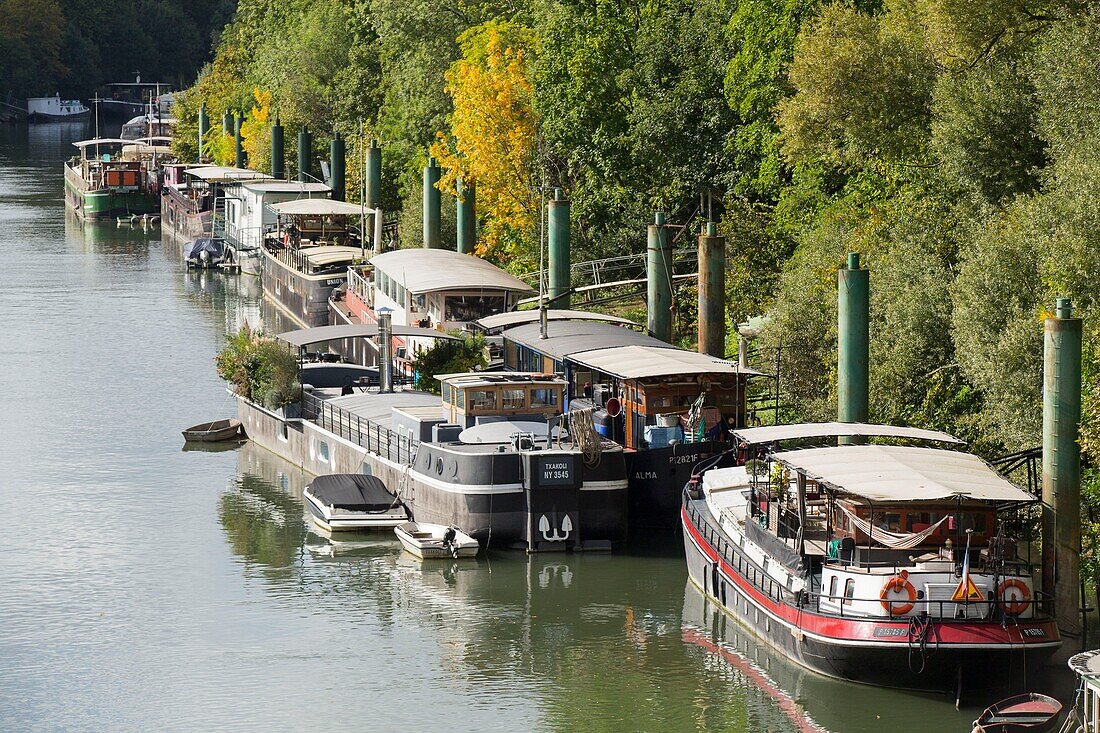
{"x":893,"y":540}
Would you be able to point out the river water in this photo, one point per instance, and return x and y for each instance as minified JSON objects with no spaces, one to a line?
{"x":148,"y":588}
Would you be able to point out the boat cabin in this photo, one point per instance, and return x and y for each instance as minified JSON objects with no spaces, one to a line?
{"x":646,"y":393}
{"x":101,"y":165}
{"x":248,"y":212}
{"x":476,"y":397}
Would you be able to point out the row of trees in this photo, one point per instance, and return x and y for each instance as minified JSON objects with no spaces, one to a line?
{"x":953,"y":144}
{"x":74,"y":46}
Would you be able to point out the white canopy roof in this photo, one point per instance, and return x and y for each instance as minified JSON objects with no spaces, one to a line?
{"x":514,"y":318}
{"x":318,"y":207}
{"x":265,"y":186}
{"x":423,"y":270}
{"x":101,"y":141}
{"x":891,"y":473}
{"x":638,"y":362}
{"x":218,"y":173}
{"x":801,"y":431}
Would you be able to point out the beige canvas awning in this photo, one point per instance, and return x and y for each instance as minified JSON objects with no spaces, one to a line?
{"x":639,"y":362}
{"x":804,"y":431}
{"x":318,"y":207}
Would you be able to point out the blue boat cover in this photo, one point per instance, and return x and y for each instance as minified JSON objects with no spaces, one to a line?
{"x":194,"y":249}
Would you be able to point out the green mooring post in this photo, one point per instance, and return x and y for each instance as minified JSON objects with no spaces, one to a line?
{"x":466,"y":215}
{"x":204,"y":127}
{"x":238,"y":142}
{"x":712,"y":292}
{"x":336,"y":160}
{"x":853,"y":304}
{"x":227,"y":123}
{"x":374,"y":176}
{"x":305,"y":152}
{"x":433,"y":235}
{"x":659,"y":279}
{"x":1062,"y":468}
{"x":278,"y":151}
{"x":558,"y":224}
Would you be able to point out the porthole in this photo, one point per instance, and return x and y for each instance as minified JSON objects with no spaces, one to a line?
{"x":439,"y":466}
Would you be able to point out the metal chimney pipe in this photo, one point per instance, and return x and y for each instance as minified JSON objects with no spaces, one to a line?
{"x":385,"y":352}
{"x":1062,"y":466}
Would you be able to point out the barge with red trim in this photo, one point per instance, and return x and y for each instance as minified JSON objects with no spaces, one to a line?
{"x":889,"y":564}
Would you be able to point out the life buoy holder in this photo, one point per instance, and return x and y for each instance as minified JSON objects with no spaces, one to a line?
{"x":1014,"y":607}
{"x":900,"y":583}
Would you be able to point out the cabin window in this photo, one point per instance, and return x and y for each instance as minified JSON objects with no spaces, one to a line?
{"x":919,"y":521}
{"x":832,"y":588}
{"x":471,"y":307}
{"x":446,"y":393}
{"x":420,"y":302}
{"x":401,"y":295}
{"x":513,"y":399}
{"x":460,"y":399}
{"x":976,"y":522}
{"x":891,"y":522}
{"x":849,"y":591}
{"x":544,"y":397}
{"x":284,"y":434}
{"x":481,"y":399}
{"x":323,"y":452}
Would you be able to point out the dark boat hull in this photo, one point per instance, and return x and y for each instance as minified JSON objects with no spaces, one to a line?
{"x":870,"y":651}
{"x":657,"y":477}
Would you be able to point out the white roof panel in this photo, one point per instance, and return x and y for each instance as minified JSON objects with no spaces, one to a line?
{"x":220,"y":173}
{"x":515,"y":318}
{"x":319,"y":207}
{"x":903,"y":473}
{"x":801,"y":431}
{"x":272,"y":186}
{"x":639,"y":362}
{"x":423,"y":270}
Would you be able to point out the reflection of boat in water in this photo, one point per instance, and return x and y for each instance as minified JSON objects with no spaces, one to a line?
{"x":812,"y":702}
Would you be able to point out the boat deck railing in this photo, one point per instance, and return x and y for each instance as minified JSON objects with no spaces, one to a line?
{"x":359,"y":285}
{"x":946,"y":610}
{"x":365,"y":433}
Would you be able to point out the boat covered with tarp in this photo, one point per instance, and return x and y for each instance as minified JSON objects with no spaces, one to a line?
{"x":352,"y":501}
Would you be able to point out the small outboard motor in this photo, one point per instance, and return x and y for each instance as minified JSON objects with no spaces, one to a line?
{"x":449,"y":541}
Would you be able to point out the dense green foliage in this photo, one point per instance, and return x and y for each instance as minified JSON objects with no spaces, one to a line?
{"x":73,"y":46}
{"x":449,"y":357}
{"x":953,"y":144}
{"x":260,"y":369}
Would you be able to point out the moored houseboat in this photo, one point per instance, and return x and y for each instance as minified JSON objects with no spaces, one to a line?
{"x":522,"y":475}
{"x":429,"y":288}
{"x":886,"y":564}
{"x":56,"y":109}
{"x":307,"y":255}
{"x":248,"y":218}
{"x":101,"y":182}
{"x":193,"y":197}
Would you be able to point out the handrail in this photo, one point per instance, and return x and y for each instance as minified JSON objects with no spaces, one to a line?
{"x":365,"y":433}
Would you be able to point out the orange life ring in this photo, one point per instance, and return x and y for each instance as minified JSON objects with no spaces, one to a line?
{"x":1011,"y":607}
{"x":899,"y":582}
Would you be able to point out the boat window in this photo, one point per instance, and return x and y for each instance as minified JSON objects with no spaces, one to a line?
{"x":471,"y":307}
{"x":976,"y":522}
{"x":481,"y":399}
{"x":322,"y":451}
{"x":849,"y":590}
{"x":919,"y":521}
{"x":832,"y":587}
{"x":544,"y":397}
{"x":890,"y":522}
{"x":512,"y":399}
{"x":460,"y":399}
{"x":420,"y":302}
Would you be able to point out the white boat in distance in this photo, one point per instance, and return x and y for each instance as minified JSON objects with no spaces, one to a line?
{"x":352,"y":501}
{"x":435,"y":540}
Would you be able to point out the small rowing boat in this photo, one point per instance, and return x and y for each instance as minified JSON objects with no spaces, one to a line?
{"x":1028,"y":713}
{"x":212,"y":432}
{"x":435,"y":540}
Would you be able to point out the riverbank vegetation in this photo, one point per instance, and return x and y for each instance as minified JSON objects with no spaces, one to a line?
{"x":74,"y":46}
{"x":259,"y":368}
{"x":954,"y":145}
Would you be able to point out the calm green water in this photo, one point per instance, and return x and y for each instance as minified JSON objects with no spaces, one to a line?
{"x":144,"y":588}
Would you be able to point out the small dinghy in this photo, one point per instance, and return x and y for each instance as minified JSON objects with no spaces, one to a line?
{"x":212,"y":432}
{"x":1029,"y":713}
{"x":353,"y":501}
{"x":435,"y":540}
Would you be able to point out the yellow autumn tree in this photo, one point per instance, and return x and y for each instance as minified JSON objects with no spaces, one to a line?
{"x":492,"y":139}
{"x":254,"y":131}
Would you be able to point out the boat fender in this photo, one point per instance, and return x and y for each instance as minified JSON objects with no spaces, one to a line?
{"x":899,"y":583}
{"x":1012,"y":606}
